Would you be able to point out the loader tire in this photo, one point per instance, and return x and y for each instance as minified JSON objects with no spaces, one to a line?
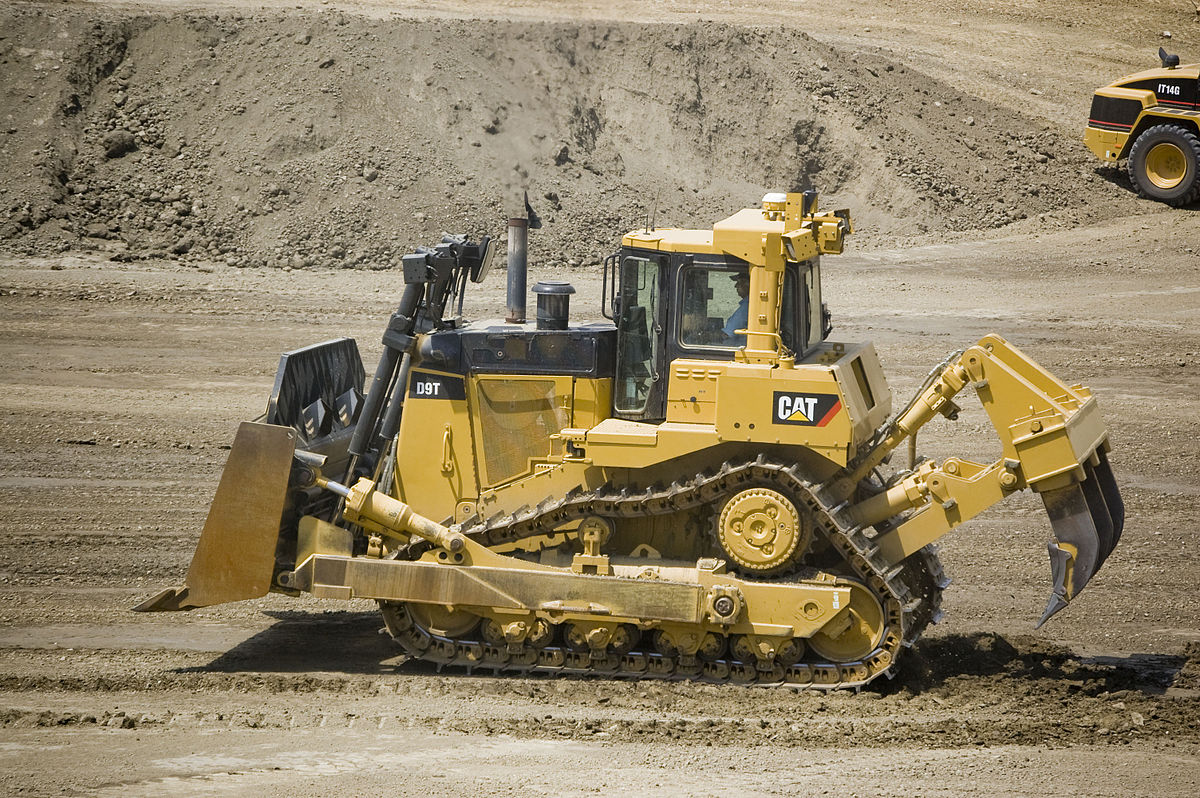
{"x":1164,"y":164}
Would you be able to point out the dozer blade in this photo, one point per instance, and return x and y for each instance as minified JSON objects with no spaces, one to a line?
{"x":235,"y":557}
{"x":1087,"y":519}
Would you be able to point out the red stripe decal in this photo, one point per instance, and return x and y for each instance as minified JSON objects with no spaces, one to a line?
{"x":832,"y":412}
{"x":1113,"y":124}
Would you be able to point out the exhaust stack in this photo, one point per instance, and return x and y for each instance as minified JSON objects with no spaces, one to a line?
{"x":518,"y":267}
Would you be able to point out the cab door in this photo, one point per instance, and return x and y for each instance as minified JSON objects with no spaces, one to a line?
{"x":639,"y":390}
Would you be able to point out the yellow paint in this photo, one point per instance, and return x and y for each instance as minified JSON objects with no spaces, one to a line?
{"x":424,"y":443}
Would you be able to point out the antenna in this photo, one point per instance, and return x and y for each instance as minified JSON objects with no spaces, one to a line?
{"x":653,"y":212}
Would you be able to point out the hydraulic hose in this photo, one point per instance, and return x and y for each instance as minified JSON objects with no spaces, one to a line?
{"x":403,"y":322}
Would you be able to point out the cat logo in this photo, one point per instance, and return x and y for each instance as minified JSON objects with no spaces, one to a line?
{"x":805,"y":409}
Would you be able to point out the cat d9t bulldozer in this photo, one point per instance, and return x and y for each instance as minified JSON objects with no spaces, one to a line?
{"x":694,"y":489}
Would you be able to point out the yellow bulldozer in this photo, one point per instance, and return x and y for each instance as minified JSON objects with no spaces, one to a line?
{"x":698,"y":488}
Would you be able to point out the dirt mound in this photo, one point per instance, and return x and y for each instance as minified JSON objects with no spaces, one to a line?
{"x":940,"y":661}
{"x":1189,"y":674}
{"x":301,"y":139}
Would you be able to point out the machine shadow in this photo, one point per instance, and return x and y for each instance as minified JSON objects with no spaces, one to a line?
{"x":337,"y":642}
{"x":353,"y":643}
{"x":1119,"y":177}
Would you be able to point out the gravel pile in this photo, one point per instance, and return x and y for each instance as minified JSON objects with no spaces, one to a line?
{"x":318,"y":139}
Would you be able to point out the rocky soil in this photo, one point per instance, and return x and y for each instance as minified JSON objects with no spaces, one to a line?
{"x":263,"y":137}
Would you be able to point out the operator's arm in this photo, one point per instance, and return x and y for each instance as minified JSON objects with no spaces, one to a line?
{"x":738,"y":319}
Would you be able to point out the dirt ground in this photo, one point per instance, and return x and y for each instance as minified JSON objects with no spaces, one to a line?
{"x":129,"y":360}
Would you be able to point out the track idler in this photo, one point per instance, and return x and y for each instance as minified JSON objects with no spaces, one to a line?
{"x":1087,"y":518}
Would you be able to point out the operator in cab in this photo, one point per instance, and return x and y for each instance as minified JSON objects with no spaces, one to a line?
{"x":741,"y":314}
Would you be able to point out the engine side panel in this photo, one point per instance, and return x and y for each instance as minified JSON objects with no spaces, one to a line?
{"x":1174,"y":88}
{"x":435,"y":461}
{"x":514,"y":417}
{"x":482,"y":403}
{"x":831,"y":403}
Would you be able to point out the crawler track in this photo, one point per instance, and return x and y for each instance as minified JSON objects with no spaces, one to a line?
{"x":910,"y":592}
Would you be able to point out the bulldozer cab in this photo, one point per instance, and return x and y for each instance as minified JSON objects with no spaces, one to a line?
{"x":669,"y":306}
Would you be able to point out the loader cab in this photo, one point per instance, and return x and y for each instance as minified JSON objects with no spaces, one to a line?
{"x":673,"y":305}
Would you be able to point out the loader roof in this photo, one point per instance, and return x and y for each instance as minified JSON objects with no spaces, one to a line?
{"x":1183,"y":71}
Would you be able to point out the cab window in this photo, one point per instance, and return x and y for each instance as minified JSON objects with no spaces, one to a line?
{"x":715,"y":304}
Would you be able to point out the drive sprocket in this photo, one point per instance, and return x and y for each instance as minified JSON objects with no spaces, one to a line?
{"x":762,"y":533}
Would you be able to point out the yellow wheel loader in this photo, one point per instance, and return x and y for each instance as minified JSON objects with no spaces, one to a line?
{"x":1153,"y":119}
{"x":695,"y":489}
